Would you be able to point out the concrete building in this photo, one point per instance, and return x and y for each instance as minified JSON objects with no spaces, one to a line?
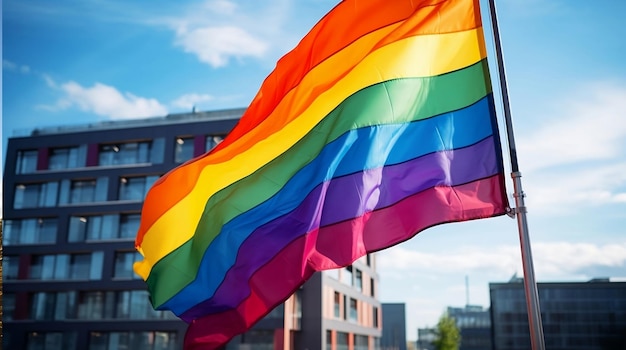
{"x":575,"y":315}
{"x":334,"y":310}
{"x":425,"y":338}
{"x":394,"y":327}
{"x":474,"y":324}
{"x":72,"y":200}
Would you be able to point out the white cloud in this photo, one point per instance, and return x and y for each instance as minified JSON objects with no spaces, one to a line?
{"x":105,"y":100}
{"x":216,"y":45}
{"x":188,"y":101}
{"x":220,"y":31}
{"x":14,"y":67}
{"x":551,"y":260}
{"x":560,"y":192}
{"x":588,"y":126}
{"x":577,"y":158}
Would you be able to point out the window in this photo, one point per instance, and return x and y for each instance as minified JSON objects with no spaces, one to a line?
{"x":65,"y":306}
{"x":10,"y":267}
{"x":337,"y":305}
{"x":91,"y":306}
{"x":124,"y":153}
{"x":26,"y":161}
{"x":353,"y":310}
{"x":51,"y":340}
{"x":42,"y":306}
{"x":212,"y":141}
{"x":63,"y":158}
{"x":346,"y":276}
{"x":358,"y":280}
{"x":184,"y":149}
{"x":342,"y":341}
{"x":132,"y":340}
{"x":103,"y":227}
{"x":135,"y":305}
{"x":329,"y":339}
{"x":135,"y":188}
{"x":372,"y":287}
{"x":80,"y":266}
{"x":129,"y":225}
{"x":375,"y":316}
{"x":124,"y":264}
{"x":8,"y":306}
{"x":83,"y":191}
{"x":35,"y":195}
{"x":67,"y":266}
{"x":361,"y":342}
{"x":30,"y":231}
{"x":84,"y":227}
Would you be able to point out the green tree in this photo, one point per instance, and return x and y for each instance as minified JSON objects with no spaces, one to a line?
{"x":447,"y":334}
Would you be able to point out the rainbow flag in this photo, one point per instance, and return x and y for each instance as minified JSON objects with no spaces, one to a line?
{"x":378,"y":125}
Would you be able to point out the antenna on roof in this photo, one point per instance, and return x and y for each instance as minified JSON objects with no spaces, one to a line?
{"x":467,"y":298}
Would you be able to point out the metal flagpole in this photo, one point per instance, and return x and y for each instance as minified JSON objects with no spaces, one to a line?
{"x":530,"y":286}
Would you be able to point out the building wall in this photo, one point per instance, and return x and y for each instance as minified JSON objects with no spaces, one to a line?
{"x":394,"y":326}
{"x":351,"y":311}
{"x":71,"y":200}
{"x":575,"y":315}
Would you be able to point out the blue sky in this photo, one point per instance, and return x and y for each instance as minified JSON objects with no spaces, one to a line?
{"x":83,"y":61}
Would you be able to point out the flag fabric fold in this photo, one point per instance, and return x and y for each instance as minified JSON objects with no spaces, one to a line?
{"x":378,"y":125}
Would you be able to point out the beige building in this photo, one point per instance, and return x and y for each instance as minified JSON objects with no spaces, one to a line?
{"x":335,"y":310}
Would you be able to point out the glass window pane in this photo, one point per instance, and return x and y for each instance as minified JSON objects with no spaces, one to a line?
{"x":80,"y":266}
{"x":27,"y":196}
{"x":46,"y":230}
{"x":358,"y":280}
{"x":47,"y":268}
{"x":98,"y":341}
{"x":353,"y":309}
{"x":8,"y":306}
{"x":42,"y":306}
{"x":60,"y":269}
{"x":212,"y":141}
{"x":132,"y":188}
{"x":95,"y":227}
{"x":50,"y":195}
{"x":139,"y":305}
{"x":164,"y":341}
{"x":61,"y":306}
{"x":123,"y":305}
{"x":77,"y":229}
{"x":26,"y":162}
{"x":91,"y":306}
{"x":101,"y":190}
{"x":11,"y":232}
{"x":35,"y":341}
{"x":10,"y":267}
{"x":109,"y":227}
{"x":106,"y":154}
{"x":83,"y":191}
{"x":124,"y":264}
{"x":59,"y":158}
{"x":129,"y":225}
{"x":183,"y":149}
{"x":95,"y":272}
